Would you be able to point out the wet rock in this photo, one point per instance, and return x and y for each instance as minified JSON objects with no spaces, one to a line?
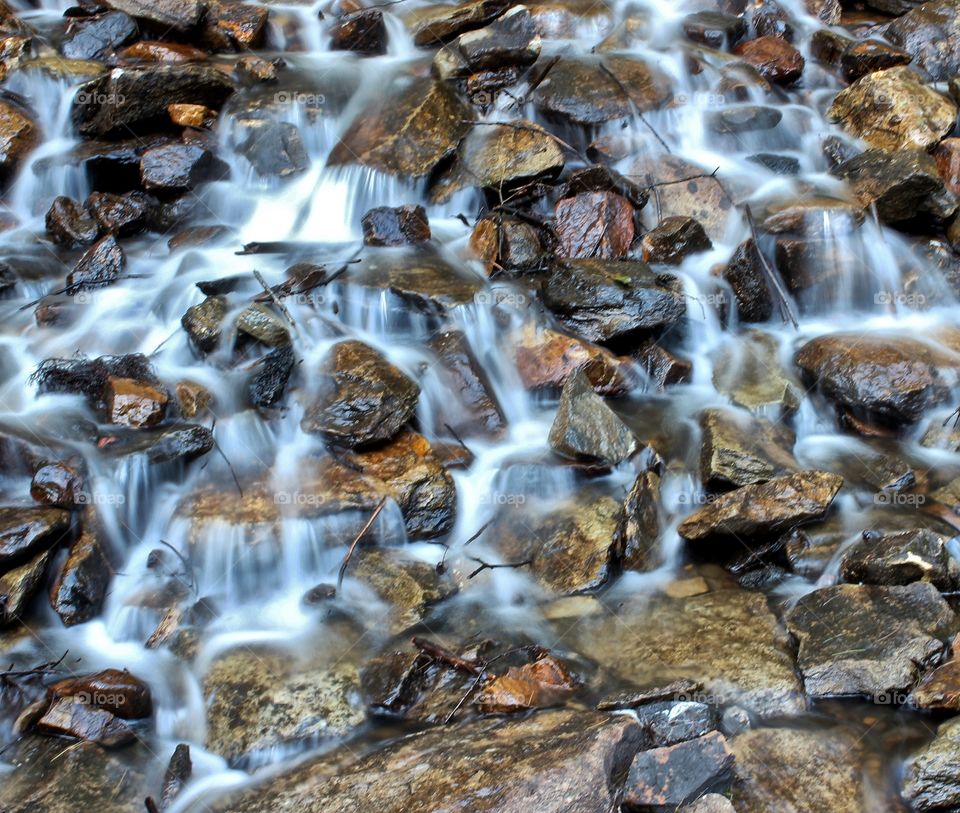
{"x":507,"y":243}
{"x":260,"y":322}
{"x":440,"y":23}
{"x":777,"y":164}
{"x":931,"y":776}
{"x":543,"y":683}
{"x":414,"y":477}
{"x":947,"y":156}
{"x":546,"y":359}
{"x":178,"y":15}
{"x":131,"y":97}
{"x":709,"y":803}
{"x":763,"y":509}
{"x":714,"y":28}
{"x":175,"y":167}
{"x":422,"y":278}
{"x":666,"y":778}
{"x":639,"y":525}
{"x":745,"y":119}
{"x":59,"y":484}
{"x":862,"y":58}
{"x":191,"y":115}
{"x":274,"y":148}
{"x":70,"y":224}
{"x":929,"y":32}
{"x":509,"y":40}
{"x":774,"y":57}
{"x":585,"y":427}
{"x":118,"y":692}
{"x":53,"y":778}
{"x":362,"y":398}
{"x":395,"y":226}
{"x":122,"y":215}
{"x":740,"y":450}
{"x":133,"y":403}
{"x":178,"y":773}
{"x":902,"y":185}
{"x":362,"y":32}
{"x":98,"y":37}
{"x":408,"y":585}
{"x":19,"y":134}
{"x":600,"y":178}
{"x":295,"y":702}
{"x":476,"y":410}
{"x":408,"y":132}
{"x":501,"y":157}
{"x":251,"y":69}
{"x":233,"y":26}
{"x":728,"y":640}
{"x":192,"y":398}
{"x":570,"y":546}
{"x":673,"y":239}
{"x":71,"y":717}
{"x":827,"y":46}
{"x":702,"y":198}
{"x":169,"y":52}
{"x":772,"y":21}
{"x":559,"y":760}
{"x":815,"y":770}
{"x":100,"y":265}
{"x":204,"y":322}
{"x":591,"y":90}
{"x":25,"y":532}
{"x":663,"y":367}
{"x":267,"y":386}
{"x":185,"y":442}
{"x":606,"y":301}
{"x":900,"y":558}
{"x":674,"y":721}
{"x":81,"y":585}
{"x":595,"y":224}
{"x":886,"y":379}
{"x":840,"y":653}
{"x":18,"y":586}
{"x":88,"y":377}
{"x":745,"y":275}
{"x":893,"y":109}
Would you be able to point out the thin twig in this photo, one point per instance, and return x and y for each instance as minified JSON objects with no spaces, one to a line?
{"x":276,"y":300}
{"x":785,"y":310}
{"x":186,"y":564}
{"x":495,"y":565}
{"x":478,"y":534}
{"x":458,"y":439}
{"x":356,"y":541}
{"x":439,"y":653}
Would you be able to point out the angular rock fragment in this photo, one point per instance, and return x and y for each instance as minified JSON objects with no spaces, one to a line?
{"x":901,"y":558}
{"x":585,"y":427}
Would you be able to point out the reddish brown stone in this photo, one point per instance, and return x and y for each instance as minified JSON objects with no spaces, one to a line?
{"x":118,"y":692}
{"x":546,"y":359}
{"x":947,"y":156}
{"x":775,"y":58}
{"x":595,"y":224}
{"x":170,"y":52}
{"x":132,"y":403}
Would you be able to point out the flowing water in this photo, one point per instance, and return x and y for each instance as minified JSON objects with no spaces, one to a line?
{"x":255,"y":574}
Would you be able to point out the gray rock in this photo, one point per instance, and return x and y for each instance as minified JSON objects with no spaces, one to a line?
{"x":931,"y":776}
{"x":868,"y":640}
{"x":738,"y":449}
{"x":901,"y":558}
{"x":640,"y":524}
{"x":553,"y":762}
{"x":930,"y":33}
{"x":585,"y":427}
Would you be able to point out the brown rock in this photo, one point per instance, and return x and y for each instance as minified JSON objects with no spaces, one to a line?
{"x":775,"y":58}
{"x":538,"y":685}
{"x":663,"y":367}
{"x":25,"y":532}
{"x":673,"y":239}
{"x":929,"y":32}
{"x":745,"y":275}
{"x":475,"y":409}
{"x":168,"y":14}
{"x":893,"y":109}
{"x":233,"y":26}
{"x":175,"y":167}
{"x":413,"y":476}
{"x":640,"y":523}
{"x":118,"y":692}
{"x":947,"y":156}
{"x":595,"y":224}
{"x":19,"y":134}
{"x":546,"y":359}
{"x":18,"y":586}
{"x":395,"y":226}
{"x":133,"y":403}
{"x":860,"y":58}
{"x":507,"y":244}
{"x":168,"y":52}
{"x":122,"y":215}
{"x":760,"y":510}
{"x":362,"y":398}
{"x":70,"y":224}
{"x":59,"y":484}
{"x":667,"y":778}
{"x":406,"y":133}
{"x":435,"y":24}
{"x":886,"y":379}
{"x":81,"y":586}
{"x":73,"y":718}
{"x":191,"y":115}
{"x":362,"y":32}
{"x":100,"y":265}
{"x":739,"y":449}
{"x":939,"y":689}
